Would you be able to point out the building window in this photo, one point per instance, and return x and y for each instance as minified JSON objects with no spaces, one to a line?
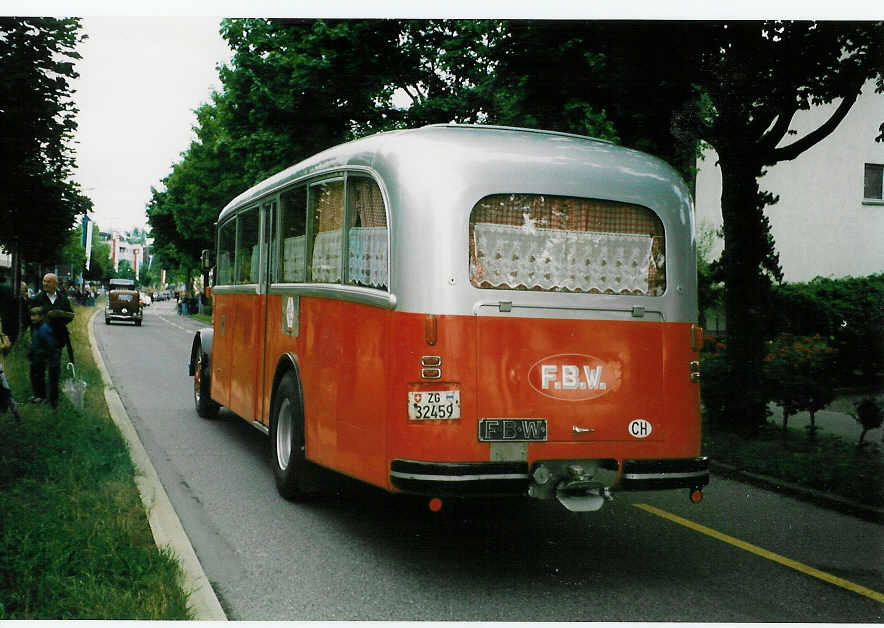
{"x":873,"y":183}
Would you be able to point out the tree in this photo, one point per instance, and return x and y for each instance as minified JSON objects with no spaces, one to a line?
{"x":796,"y":373}
{"x":124,"y":270}
{"x":38,"y":199}
{"x":757,"y":76}
{"x":183,"y":214}
{"x":621,"y":81}
{"x":74,"y":254}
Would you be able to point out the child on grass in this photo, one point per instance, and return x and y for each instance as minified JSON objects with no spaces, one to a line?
{"x":45,"y":354}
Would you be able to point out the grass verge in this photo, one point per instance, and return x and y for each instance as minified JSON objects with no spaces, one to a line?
{"x":826,"y":463}
{"x":74,"y":538}
{"x":206,"y":318}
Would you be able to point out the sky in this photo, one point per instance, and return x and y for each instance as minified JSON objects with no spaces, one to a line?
{"x":142,"y":76}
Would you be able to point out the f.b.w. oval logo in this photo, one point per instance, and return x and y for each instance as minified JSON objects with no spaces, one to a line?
{"x":574,"y":376}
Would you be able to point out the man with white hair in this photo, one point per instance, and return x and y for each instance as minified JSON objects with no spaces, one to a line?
{"x":58,"y":313}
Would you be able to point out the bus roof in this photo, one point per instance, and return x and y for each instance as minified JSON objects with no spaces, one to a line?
{"x":443,"y":149}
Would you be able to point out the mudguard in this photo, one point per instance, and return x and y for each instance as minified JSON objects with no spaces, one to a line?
{"x":202,"y":340}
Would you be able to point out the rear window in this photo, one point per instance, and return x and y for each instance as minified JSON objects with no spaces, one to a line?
{"x":124,"y":297}
{"x":566,"y":244}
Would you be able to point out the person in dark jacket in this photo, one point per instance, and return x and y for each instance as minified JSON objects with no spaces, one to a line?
{"x":57,"y":311}
{"x":44,"y":354}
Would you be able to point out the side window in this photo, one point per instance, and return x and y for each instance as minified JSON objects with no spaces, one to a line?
{"x":293,"y":227}
{"x":226,"y":244}
{"x":566,"y":244}
{"x":247,"y":249}
{"x":326,"y":213}
{"x":367,"y":234}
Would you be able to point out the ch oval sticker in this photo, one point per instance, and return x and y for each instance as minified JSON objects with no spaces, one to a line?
{"x":640,"y":428}
{"x":574,"y":377}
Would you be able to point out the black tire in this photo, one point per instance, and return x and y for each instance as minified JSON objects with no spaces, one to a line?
{"x":287,"y":443}
{"x":107,"y":321}
{"x":138,"y":323}
{"x":205,"y":407}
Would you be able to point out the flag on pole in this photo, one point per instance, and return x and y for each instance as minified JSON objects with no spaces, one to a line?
{"x":87,"y":228}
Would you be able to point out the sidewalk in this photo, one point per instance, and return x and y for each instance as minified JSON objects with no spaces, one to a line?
{"x":835,"y":420}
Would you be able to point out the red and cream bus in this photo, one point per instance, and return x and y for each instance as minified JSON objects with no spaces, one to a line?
{"x":463,"y":310}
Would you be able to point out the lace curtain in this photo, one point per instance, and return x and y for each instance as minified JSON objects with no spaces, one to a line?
{"x":293,"y":262}
{"x":553,"y":259}
{"x":368,"y":256}
{"x":225,"y":268}
{"x":538,"y":242}
{"x":327,"y":256}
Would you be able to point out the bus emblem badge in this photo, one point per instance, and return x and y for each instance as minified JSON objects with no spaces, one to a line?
{"x":574,"y":377}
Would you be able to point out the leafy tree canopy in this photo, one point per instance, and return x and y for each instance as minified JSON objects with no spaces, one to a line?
{"x":38,"y":199}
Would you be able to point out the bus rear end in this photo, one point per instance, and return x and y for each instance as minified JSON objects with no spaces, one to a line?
{"x":573,"y":377}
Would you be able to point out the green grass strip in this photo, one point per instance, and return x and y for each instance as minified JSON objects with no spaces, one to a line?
{"x":74,"y":538}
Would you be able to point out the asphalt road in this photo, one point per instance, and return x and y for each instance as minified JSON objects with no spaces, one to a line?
{"x":743,"y":555}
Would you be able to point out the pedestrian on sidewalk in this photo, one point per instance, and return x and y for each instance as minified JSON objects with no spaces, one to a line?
{"x":44,"y":355}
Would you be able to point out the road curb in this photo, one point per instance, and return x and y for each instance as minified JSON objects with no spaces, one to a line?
{"x":164,"y":522}
{"x":833,"y":502}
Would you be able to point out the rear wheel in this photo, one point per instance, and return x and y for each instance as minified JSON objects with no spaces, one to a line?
{"x":287,"y":444}
{"x":205,"y":407}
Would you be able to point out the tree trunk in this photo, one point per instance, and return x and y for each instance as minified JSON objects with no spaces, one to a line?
{"x":16,"y":289}
{"x":748,"y":251}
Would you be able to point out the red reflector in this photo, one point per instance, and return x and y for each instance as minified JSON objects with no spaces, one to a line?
{"x":696,"y":496}
{"x":431,"y":329}
{"x":435,"y":504}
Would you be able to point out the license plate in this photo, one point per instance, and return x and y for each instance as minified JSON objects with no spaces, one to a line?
{"x":502,"y":430}
{"x":434,"y":405}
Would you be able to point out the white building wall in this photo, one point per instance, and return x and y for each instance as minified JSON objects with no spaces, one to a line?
{"x":821,"y":225}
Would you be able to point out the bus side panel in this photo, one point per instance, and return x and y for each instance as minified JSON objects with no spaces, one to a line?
{"x":276,"y":344}
{"x":682,"y":396}
{"x":320,"y":356}
{"x":222,"y":348}
{"x":246,"y":330}
{"x":342,"y":355}
{"x":362,"y":394}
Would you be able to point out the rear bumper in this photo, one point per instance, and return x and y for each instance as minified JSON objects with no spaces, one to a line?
{"x":459,"y":478}
{"x":652,"y":475}
{"x":514,"y":478}
{"x":123,"y":317}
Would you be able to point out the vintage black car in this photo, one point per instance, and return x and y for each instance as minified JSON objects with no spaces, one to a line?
{"x":123,"y":303}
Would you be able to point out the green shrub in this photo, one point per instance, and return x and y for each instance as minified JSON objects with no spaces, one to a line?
{"x":797,"y":374}
{"x":845,"y":311}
